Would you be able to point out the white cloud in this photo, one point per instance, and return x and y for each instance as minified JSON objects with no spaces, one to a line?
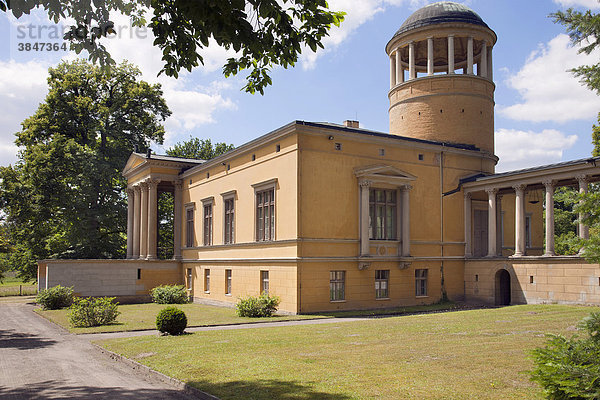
{"x":22,"y":87}
{"x":357,"y":13}
{"x":522,"y":149}
{"x":549,"y":91}
{"x":581,"y":3}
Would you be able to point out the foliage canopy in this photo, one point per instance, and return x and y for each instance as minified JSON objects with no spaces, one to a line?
{"x":263,"y":33}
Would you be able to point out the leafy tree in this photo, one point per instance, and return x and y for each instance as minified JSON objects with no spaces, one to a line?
{"x":584,"y":29}
{"x":64,"y":198}
{"x":264,"y":33}
{"x":565,"y":222}
{"x":199,"y":149}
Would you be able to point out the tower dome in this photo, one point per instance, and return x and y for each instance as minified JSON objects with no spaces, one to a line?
{"x":441,"y":78}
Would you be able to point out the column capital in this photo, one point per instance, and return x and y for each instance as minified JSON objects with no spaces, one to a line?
{"x":365,"y":183}
{"x":144,"y":185}
{"x":130,"y":190}
{"x":491,"y":191}
{"x":406,"y":187}
{"x":468,"y":195}
{"x":178,"y":184}
{"x":519,"y":187}
{"x":137,"y":188}
{"x":582,"y":178}
{"x":152,"y":183}
{"x":451,"y":35}
{"x":549,"y":183}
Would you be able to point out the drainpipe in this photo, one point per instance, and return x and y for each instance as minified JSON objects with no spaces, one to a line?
{"x":443,"y":285}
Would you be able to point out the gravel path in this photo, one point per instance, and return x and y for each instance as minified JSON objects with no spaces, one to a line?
{"x":39,"y":360}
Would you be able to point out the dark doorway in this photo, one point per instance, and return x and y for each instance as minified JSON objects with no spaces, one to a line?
{"x":502,"y":288}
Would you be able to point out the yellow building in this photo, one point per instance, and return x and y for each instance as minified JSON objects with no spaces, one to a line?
{"x":335,"y":217}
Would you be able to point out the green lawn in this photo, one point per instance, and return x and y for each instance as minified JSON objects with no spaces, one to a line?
{"x":143,"y":316}
{"x":10,"y":286}
{"x":475,"y":354}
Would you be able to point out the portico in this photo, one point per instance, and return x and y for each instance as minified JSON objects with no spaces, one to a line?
{"x":148,"y":176}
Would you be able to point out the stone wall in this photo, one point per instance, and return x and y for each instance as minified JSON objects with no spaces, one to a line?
{"x":124,"y":279}
{"x":534,"y":280}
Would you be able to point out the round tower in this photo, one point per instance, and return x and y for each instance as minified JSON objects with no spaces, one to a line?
{"x":441,"y":78}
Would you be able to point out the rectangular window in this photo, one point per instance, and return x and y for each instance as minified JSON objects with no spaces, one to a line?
{"x":208,"y":226}
{"x":227,"y":281}
{"x":337,"y":285}
{"x":265,"y":215}
{"x":207,"y":280}
{"x":264,"y":282}
{"x":189,"y":227}
{"x":382,"y":280}
{"x":382,"y":213}
{"x":420,"y":282}
{"x":189,"y":278}
{"x":527,"y":231}
{"x":229,"y":221}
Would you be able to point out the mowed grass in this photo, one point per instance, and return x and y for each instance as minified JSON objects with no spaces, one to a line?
{"x":476,"y":354}
{"x":143,"y":316}
{"x":11,"y":286}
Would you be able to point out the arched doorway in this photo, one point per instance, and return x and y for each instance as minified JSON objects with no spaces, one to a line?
{"x":502,"y":288}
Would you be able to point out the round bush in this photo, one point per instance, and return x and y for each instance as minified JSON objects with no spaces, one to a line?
{"x":55,"y":298}
{"x":171,"y":320}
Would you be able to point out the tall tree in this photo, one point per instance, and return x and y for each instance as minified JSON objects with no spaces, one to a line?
{"x":584,"y":30}
{"x":64,"y":198}
{"x":199,"y":149}
{"x":264,"y":33}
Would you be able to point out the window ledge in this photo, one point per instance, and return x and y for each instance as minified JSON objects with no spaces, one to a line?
{"x":421,"y":297}
{"x":228,"y":294}
{"x":337,"y":301}
{"x":207,"y":292}
{"x":382,"y":298}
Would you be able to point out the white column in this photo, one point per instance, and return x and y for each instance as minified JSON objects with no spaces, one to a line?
{"x":130,"y":215}
{"x":136,"y":221}
{"x":468,"y":230}
{"x":392,"y":71}
{"x":177,"y":219}
{"x":491,"y":221}
{"x":406,"y":220}
{"x":364,"y":218}
{"x":499,"y":230}
{"x":412,"y":73}
{"x":144,"y":221}
{"x":549,"y":184}
{"x":490,"y":66}
{"x":483,"y":63}
{"x":519,"y":219}
{"x":152,"y":218}
{"x":429,"y":56}
{"x":584,"y":230}
{"x":399,"y":68}
{"x":451,"y":54}
{"x":470,"y":55}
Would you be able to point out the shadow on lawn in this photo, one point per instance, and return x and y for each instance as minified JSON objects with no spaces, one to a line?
{"x":60,"y":390}
{"x":264,"y":389}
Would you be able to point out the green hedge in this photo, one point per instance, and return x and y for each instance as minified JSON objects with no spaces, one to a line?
{"x":169,"y":294}
{"x":262,"y":306}
{"x":86,"y":312}
{"x":55,"y":298}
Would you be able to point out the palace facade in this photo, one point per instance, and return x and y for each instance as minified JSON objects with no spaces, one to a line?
{"x":335,"y":217}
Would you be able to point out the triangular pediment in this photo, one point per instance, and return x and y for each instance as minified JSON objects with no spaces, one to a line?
{"x":134,"y":161}
{"x":383,"y":171}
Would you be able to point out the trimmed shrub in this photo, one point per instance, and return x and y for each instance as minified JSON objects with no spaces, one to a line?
{"x":86,"y":312}
{"x":55,"y":298}
{"x":570,"y":368}
{"x":261,"y":306}
{"x":169,"y":294}
{"x":171,"y":320}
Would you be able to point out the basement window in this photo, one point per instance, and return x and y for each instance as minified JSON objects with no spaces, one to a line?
{"x":476,"y":278}
{"x":207,"y":175}
{"x":228,"y":167}
{"x":530,"y":278}
{"x":421,"y":157}
{"x":278,"y":148}
{"x":139,"y":273}
{"x":382,"y":152}
{"x":338,"y":146}
{"x":253,"y":157}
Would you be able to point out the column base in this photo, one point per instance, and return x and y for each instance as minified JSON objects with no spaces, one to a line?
{"x":552,"y":254}
{"x":518,"y":255}
{"x":151,"y":258}
{"x":177,"y":258}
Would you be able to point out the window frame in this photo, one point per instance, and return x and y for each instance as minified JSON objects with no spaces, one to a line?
{"x":374,"y":206}
{"x":229,"y":217}
{"x":190,"y":225}
{"x":264,"y":282}
{"x":421,"y":282}
{"x":208,"y":221}
{"x":228,"y":282}
{"x":337,"y":280}
{"x":384,"y":277}
{"x":260,"y":189}
{"x":207,"y":280}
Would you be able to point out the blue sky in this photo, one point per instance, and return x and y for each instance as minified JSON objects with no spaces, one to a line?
{"x":542,"y":113}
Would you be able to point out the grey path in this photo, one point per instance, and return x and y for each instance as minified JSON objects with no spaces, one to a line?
{"x":39,"y":360}
{"x":113,"y":335}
